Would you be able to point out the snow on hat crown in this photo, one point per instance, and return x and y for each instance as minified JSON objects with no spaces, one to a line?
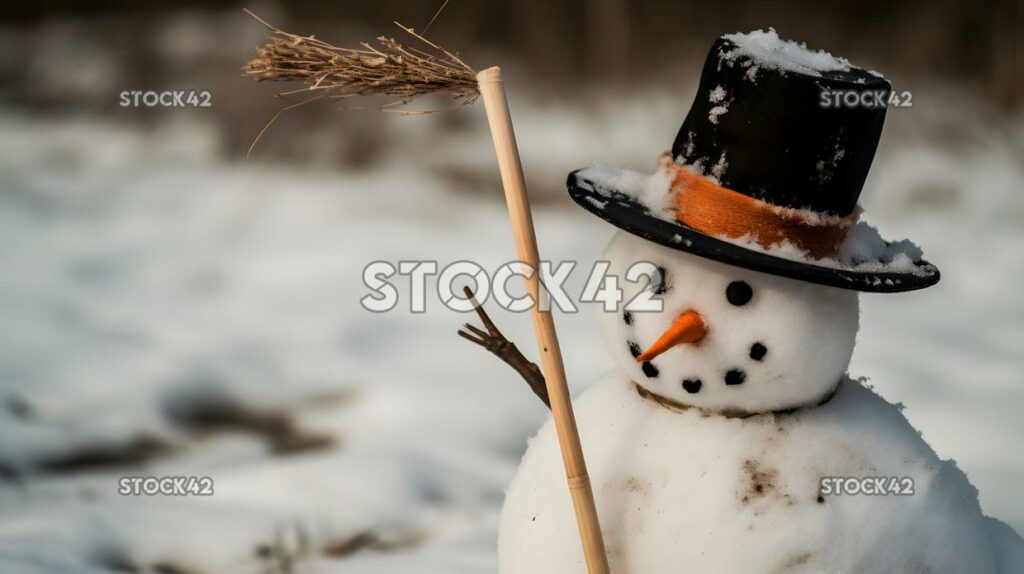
{"x":758,"y":123}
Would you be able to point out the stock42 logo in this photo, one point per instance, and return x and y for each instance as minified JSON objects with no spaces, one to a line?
{"x":600,"y":287}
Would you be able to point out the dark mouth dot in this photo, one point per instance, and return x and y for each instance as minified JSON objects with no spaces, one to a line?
{"x":758,"y":351}
{"x":627,"y":317}
{"x":735,"y":377}
{"x":634,"y":349}
{"x":649,"y":369}
{"x":692,"y":386}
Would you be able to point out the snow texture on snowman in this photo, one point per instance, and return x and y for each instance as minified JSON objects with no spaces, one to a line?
{"x":712,"y":445}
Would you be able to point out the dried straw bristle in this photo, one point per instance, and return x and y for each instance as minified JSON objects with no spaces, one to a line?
{"x":387,"y":68}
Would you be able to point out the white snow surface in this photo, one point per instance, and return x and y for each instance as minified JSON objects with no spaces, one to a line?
{"x":766,"y":49}
{"x":650,"y":191}
{"x":139,"y":272}
{"x":717,"y":111}
{"x":717,"y":96}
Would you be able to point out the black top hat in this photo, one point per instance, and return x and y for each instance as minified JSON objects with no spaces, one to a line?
{"x":771,"y":149}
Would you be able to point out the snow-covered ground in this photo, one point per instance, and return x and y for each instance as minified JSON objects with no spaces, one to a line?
{"x":166,"y":312}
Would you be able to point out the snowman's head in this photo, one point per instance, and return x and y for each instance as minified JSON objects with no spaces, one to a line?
{"x":728,"y":339}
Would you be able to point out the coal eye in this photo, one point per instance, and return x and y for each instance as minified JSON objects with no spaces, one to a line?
{"x":739,"y":293}
{"x":659,"y":281}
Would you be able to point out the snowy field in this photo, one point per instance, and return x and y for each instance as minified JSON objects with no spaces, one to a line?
{"x":169,"y":312}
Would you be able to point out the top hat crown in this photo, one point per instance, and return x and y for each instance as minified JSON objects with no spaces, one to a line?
{"x":761,"y":115}
{"x":771,"y":154}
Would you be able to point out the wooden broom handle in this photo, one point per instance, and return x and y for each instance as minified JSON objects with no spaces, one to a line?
{"x":492,"y":91}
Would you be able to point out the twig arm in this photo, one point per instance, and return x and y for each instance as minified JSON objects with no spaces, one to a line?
{"x":499,"y":346}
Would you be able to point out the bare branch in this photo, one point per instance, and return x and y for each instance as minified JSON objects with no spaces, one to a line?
{"x":500,"y":347}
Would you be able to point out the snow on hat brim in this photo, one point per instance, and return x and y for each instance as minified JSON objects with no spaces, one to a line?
{"x":868,"y":263}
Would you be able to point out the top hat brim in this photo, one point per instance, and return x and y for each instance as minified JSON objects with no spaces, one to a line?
{"x":622,"y":211}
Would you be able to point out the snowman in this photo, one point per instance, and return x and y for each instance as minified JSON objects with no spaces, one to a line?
{"x":729,"y":438}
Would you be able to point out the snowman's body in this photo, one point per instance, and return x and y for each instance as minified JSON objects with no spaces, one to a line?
{"x":686,"y":479}
{"x":683,"y":492}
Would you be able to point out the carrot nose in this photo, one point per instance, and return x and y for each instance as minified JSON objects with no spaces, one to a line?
{"x":688,"y":328}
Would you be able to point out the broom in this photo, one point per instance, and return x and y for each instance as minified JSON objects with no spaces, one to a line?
{"x":389,"y":68}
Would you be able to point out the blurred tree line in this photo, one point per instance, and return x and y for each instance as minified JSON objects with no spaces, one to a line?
{"x":65,"y":57}
{"x":619,"y":40}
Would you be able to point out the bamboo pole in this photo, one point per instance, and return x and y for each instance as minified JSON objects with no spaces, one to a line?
{"x":492,"y":91}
